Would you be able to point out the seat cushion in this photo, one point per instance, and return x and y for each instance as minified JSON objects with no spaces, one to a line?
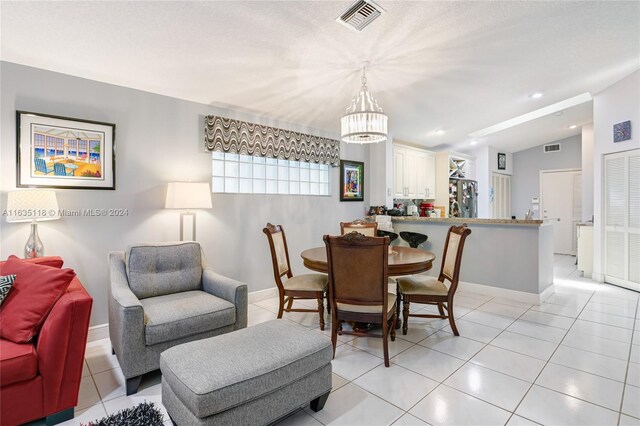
{"x":307,"y":282}
{"x":18,"y":362}
{"x":163,"y":268}
{"x":178,"y":315}
{"x":368,"y":309}
{"x":213,"y":375}
{"x":423,"y":285}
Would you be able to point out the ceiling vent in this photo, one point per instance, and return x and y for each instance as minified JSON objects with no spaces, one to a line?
{"x":360,"y":14}
{"x":552,"y":147}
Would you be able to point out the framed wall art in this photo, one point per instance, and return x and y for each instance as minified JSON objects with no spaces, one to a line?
{"x":502,"y":161}
{"x":62,"y":152}
{"x":622,"y":131}
{"x":351,"y":180}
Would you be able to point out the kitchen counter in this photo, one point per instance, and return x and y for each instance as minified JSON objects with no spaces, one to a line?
{"x":505,"y":258}
{"x":532,"y":222}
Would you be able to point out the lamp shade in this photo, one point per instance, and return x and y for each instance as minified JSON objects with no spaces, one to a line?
{"x":26,"y":205}
{"x":188,"y":195}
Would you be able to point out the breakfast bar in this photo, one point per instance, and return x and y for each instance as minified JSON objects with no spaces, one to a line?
{"x":503,"y":257}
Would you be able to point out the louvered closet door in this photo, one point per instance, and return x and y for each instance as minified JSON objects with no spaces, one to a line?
{"x":501,"y":203}
{"x":622,"y":219}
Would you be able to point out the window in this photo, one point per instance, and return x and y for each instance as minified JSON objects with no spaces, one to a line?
{"x":245,"y":174}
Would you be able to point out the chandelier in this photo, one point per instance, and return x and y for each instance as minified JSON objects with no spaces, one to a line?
{"x":364,"y":121}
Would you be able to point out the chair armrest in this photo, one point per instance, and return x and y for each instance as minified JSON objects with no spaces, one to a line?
{"x":126,"y":319}
{"x":61,"y":345}
{"x":230,"y":290}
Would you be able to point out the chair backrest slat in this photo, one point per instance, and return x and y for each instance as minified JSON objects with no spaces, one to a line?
{"x":452,"y":254}
{"x":279,"y":252}
{"x":358,"y":269}
{"x":365,"y":228}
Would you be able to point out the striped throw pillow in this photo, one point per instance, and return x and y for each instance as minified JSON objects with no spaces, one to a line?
{"x":6,"y":281}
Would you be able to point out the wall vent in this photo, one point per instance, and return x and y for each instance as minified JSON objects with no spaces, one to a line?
{"x":360,"y":14}
{"x":552,"y":147}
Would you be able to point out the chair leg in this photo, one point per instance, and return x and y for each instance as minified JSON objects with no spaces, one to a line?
{"x":440,"y":308}
{"x":405,"y":316}
{"x":289,"y":303}
{"x":385,"y":342}
{"x":133,"y":384}
{"x":334,"y":335}
{"x":59,"y":417}
{"x":318,"y":403}
{"x":281,"y":307}
{"x":398,"y":301}
{"x":321,"y":311}
{"x":328,"y":304}
{"x":452,"y":321}
{"x":393,"y":327}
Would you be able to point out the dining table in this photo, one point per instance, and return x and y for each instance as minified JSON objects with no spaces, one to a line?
{"x":402,"y":261}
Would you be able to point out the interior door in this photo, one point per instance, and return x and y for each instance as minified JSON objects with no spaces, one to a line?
{"x":501,"y":196}
{"x":622,"y":219}
{"x":561,"y":203}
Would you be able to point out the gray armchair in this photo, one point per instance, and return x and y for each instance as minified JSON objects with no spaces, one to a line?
{"x":162,"y":295}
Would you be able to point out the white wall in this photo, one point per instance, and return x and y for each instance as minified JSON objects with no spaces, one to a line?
{"x":527,"y":164}
{"x":619,"y":102}
{"x":587,"y":172}
{"x":158,"y":140}
{"x":483,"y":176}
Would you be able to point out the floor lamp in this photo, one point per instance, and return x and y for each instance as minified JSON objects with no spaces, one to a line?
{"x":188,"y":195}
{"x":32,"y":205}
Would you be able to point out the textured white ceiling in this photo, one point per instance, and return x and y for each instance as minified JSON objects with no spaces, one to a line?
{"x":455,"y":66}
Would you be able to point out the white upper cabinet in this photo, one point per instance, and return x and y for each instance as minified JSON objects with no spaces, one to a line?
{"x":414,"y":173}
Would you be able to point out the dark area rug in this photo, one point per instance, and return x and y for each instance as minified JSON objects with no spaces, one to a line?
{"x":144,"y":414}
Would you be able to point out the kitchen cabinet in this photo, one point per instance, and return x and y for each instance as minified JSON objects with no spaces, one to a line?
{"x":414,"y":173}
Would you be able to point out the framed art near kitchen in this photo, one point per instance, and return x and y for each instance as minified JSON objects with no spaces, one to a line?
{"x":502,"y":161}
{"x":62,"y":152}
{"x":351,"y":180}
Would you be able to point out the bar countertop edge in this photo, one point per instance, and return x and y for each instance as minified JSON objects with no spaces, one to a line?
{"x":532,"y":222}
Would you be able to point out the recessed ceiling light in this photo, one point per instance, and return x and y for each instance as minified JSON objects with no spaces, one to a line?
{"x":536,"y":95}
{"x":573,"y":126}
{"x":440,"y":132}
{"x":473,"y":142}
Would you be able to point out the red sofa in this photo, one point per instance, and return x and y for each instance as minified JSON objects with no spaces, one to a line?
{"x":42,"y":378}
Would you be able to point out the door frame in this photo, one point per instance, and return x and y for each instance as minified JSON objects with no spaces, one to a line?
{"x":541,"y":205}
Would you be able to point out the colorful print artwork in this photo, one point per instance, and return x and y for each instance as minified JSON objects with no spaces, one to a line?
{"x":65,"y":153}
{"x":351,"y":180}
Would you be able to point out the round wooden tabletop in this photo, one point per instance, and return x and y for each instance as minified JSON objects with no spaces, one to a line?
{"x":402,"y":261}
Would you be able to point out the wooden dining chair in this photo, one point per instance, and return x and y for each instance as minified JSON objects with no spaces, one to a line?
{"x":358,"y":272}
{"x":433,"y":291}
{"x":307,"y":286}
{"x":365,"y":228}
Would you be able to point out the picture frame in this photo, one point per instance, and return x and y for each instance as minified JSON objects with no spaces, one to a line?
{"x":502,"y":161}
{"x":351,"y":180}
{"x":63,"y":152}
{"x":622,"y":131}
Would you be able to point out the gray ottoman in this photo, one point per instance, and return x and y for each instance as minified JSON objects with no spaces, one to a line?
{"x":252,"y":376}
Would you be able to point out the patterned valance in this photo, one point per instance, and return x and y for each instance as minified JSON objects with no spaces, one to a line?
{"x":240,"y":137}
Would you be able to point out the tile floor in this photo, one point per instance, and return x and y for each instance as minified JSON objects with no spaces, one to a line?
{"x":574,"y":360}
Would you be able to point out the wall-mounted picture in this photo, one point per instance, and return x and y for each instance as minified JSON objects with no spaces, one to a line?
{"x":62,"y":152}
{"x":351,"y":180}
{"x":502,"y":161}
{"x":622,"y":131}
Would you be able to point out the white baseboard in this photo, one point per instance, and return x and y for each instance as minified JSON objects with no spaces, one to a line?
{"x":260,"y":295}
{"x":98,"y":332}
{"x":546,"y":293}
{"x":101,"y":331}
{"x":518,"y":296}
